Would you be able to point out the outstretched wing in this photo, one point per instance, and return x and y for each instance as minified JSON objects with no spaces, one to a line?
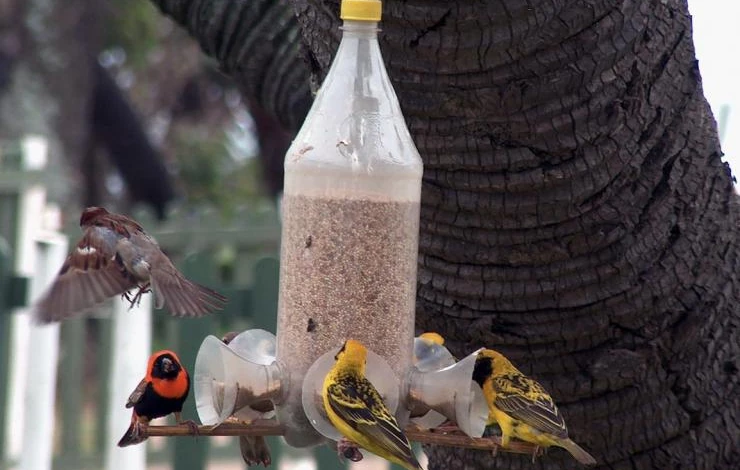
{"x":526,"y":400}
{"x":171,"y":289}
{"x":91,"y":274}
{"x":183,"y":298}
{"x":356,"y":402}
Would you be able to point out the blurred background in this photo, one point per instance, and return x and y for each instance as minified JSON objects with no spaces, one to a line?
{"x":156,"y":131}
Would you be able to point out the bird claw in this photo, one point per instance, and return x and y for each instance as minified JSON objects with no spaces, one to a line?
{"x":538,"y":451}
{"x":137,"y":298}
{"x":447,"y":427}
{"x":349,"y":450}
{"x":140,"y":430}
{"x":192,"y":426}
{"x":255,"y":451}
{"x":265,"y":461}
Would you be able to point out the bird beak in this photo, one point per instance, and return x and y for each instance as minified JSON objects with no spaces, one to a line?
{"x":167,"y":365}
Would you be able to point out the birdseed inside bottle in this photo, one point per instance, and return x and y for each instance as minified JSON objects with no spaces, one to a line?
{"x":348,"y":270}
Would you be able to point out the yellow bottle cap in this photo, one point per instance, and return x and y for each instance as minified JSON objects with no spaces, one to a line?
{"x":361,"y":10}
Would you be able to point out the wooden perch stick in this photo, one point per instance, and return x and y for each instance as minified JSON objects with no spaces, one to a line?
{"x":491,"y":443}
{"x":271,"y":428}
{"x":257,"y":428}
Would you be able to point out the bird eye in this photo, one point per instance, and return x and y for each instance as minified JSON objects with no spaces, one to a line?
{"x":344,"y":346}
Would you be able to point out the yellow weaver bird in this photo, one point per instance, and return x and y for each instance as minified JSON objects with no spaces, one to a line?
{"x":521,"y":406}
{"x":356,"y":409}
{"x":433,"y":338}
{"x":424,"y":348}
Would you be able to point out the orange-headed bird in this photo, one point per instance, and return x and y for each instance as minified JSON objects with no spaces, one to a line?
{"x":161,"y":392}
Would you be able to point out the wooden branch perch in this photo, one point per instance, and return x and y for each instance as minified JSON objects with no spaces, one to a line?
{"x":492,"y":443}
{"x":257,"y":428}
{"x":271,"y":428}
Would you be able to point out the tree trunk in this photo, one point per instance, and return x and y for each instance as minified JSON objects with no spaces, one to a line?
{"x":576,"y":213}
{"x":258,"y":44}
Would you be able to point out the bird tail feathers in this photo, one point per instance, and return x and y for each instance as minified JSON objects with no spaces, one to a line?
{"x":409,"y":462}
{"x":132,"y":436}
{"x":184,"y":298}
{"x":577,"y":452}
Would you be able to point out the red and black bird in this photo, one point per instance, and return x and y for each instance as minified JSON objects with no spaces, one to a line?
{"x":114,"y":256}
{"x":163,"y":391}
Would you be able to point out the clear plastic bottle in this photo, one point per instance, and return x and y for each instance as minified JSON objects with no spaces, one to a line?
{"x":350,"y":220}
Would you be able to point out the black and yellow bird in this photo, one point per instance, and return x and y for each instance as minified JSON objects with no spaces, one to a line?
{"x":162,"y":391}
{"x":356,"y":409}
{"x":521,"y":406}
{"x":426,"y":345}
{"x":433,"y":337}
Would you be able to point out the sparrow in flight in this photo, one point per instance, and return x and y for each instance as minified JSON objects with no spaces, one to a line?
{"x":114,"y":256}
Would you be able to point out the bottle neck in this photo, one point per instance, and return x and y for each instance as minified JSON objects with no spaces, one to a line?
{"x":360,"y":29}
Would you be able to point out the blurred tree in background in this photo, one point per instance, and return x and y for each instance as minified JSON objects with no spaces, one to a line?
{"x":134,"y":112}
{"x":194,"y":115}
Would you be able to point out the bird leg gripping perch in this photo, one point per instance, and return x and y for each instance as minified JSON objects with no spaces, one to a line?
{"x":139,"y":427}
{"x":447,"y":426}
{"x":349,"y":450}
{"x":192,"y":425}
{"x":450,"y":435}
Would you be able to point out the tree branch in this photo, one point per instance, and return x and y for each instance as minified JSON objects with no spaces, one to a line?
{"x":116,"y":127}
{"x":257,"y":43}
{"x":271,"y":428}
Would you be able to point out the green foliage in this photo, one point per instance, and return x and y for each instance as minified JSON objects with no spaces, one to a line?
{"x":211,"y":176}
{"x":134,"y":26}
{"x":167,"y":76}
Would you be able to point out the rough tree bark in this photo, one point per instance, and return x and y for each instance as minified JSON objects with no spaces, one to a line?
{"x":576,"y":213}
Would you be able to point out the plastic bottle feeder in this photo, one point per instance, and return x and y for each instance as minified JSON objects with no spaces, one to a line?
{"x":241,"y":380}
{"x":350,"y":232}
{"x":440,"y":389}
{"x":348,"y":262}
